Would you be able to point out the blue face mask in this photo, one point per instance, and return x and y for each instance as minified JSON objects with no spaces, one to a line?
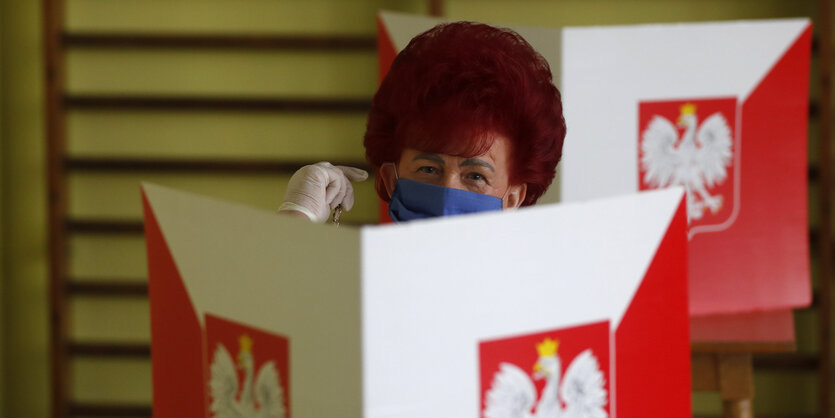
{"x":415,"y":200}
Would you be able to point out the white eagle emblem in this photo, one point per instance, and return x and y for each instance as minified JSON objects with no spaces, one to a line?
{"x":698,"y":161}
{"x":512,"y":393}
{"x":268,"y":395}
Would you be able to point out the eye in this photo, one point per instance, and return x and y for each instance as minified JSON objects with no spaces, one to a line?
{"x":474,"y":176}
{"x":426,"y":169}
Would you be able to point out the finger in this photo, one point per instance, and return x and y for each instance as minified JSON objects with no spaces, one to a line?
{"x":348,"y":201}
{"x":353,"y":173}
{"x":333,"y":180}
{"x":333,"y":189}
{"x":336,"y":187}
{"x":340,"y":194}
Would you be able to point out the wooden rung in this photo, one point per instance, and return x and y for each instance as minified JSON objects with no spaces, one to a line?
{"x":192,"y":103}
{"x":88,"y":409}
{"x":813,"y":109}
{"x":786,"y":362}
{"x":814,"y":241}
{"x":814,"y":173}
{"x":227,"y":166}
{"x":128,"y":227}
{"x":106,"y":349}
{"x":102,"y":226}
{"x":332,"y":43}
{"x":707,"y":347}
{"x":108,"y":288}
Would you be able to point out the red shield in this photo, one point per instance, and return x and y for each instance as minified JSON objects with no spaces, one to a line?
{"x":261,"y":363}
{"x":528,"y":354}
{"x":694,"y":144}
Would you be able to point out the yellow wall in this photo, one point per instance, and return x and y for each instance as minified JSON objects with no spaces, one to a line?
{"x":24,"y":274}
{"x":24,"y":372}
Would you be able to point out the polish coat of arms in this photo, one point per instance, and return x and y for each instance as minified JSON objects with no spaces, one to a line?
{"x":691,"y":144}
{"x":523,"y":377}
{"x":253,"y":383}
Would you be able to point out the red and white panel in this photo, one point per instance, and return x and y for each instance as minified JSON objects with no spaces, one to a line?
{"x":250,"y":311}
{"x":556,"y":371}
{"x":448,"y":302}
{"x":720,"y":109}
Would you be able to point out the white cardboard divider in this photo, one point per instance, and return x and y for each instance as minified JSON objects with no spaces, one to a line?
{"x":413,"y":320}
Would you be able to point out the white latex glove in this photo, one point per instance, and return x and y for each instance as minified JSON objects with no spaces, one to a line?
{"x":315,"y":190}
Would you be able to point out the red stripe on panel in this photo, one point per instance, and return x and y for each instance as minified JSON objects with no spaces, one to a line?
{"x":772,"y":224}
{"x":652,"y":341}
{"x":177,"y":355}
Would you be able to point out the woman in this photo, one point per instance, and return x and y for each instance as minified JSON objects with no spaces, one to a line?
{"x":466,"y":120}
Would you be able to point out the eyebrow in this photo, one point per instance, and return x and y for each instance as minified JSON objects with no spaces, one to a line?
{"x":477,"y":162}
{"x":431,"y":157}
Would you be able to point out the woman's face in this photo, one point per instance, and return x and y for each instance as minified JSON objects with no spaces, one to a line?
{"x":488,"y":173}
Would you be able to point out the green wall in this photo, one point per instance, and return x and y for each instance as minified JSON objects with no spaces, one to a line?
{"x":23,"y":209}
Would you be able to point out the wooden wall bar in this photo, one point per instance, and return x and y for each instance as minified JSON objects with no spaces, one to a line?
{"x":218,"y":41}
{"x":824,"y":181}
{"x":230,"y":166}
{"x":239,"y":104}
{"x":56,"y":148}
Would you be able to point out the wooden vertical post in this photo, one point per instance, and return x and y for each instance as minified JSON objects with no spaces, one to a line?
{"x":825,"y":192}
{"x":738,"y":409}
{"x":436,"y":8}
{"x":736,"y":385}
{"x":53,"y":21}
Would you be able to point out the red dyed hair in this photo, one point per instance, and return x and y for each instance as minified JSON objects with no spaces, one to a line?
{"x":456,"y":85}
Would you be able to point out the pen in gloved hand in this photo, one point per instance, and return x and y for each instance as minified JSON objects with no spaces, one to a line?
{"x":337,"y":213}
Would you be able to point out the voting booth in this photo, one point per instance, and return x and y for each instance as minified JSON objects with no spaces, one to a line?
{"x":719,"y":108}
{"x":722,"y":110}
{"x":685,"y":156}
{"x":578,"y":308}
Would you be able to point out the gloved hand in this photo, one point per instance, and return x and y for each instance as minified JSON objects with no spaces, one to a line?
{"x":315,"y":190}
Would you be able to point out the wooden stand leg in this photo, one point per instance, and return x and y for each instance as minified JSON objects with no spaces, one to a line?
{"x":736,"y":385}
{"x":732,"y":375}
{"x":739,"y":408}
